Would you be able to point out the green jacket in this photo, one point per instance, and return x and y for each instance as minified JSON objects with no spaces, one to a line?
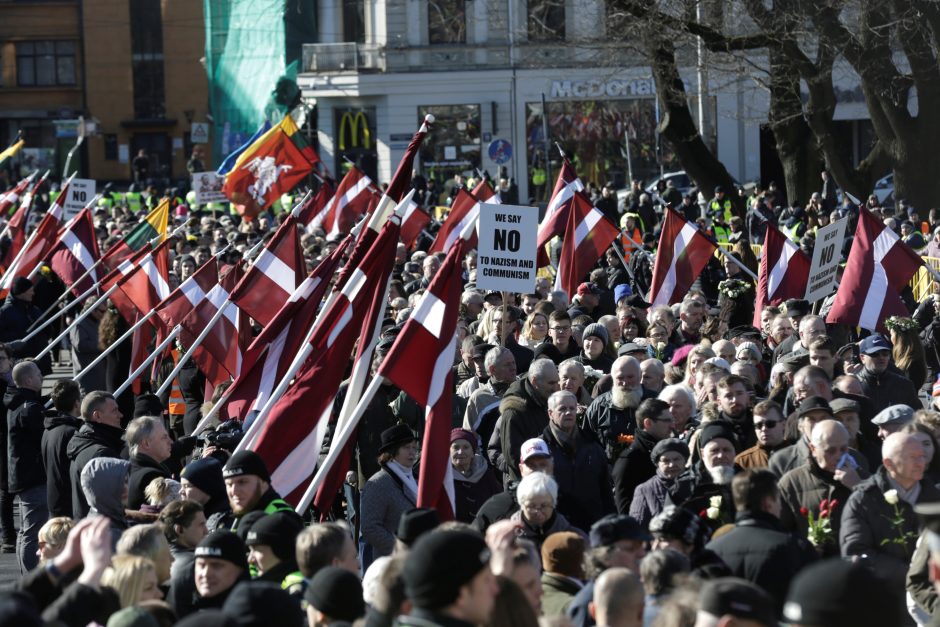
{"x":558,"y":591}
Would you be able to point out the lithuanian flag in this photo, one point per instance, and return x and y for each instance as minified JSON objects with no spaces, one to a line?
{"x":10,"y":152}
{"x":271,"y":166}
{"x":155,"y":224}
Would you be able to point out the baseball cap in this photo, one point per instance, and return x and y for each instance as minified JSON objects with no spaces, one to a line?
{"x":533,"y":447}
{"x":739,"y":598}
{"x":588,"y":288}
{"x":874,"y":344}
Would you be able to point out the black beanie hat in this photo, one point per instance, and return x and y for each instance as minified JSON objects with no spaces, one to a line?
{"x":205,"y":474}
{"x":440,"y":563}
{"x":836,"y":592}
{"x":263,"y":603}
{"x":337,"y":593}
{"x":246,"y":463}
{"x":148,"y":405}
{"x":246,"y":522}
{"x":223,"y":545}
{"x":677,"y":522}
{"x":20,"y":285}
{"x":416,"y":522}
{"x":669,"y":444}
{"x":717,"y":429}
{"x":278,"y":531}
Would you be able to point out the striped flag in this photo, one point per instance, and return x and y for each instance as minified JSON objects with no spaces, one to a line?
{"x":76,"y":252}
{"x":10,"y":152}
{"x":351,"y":200}
{"x":229,"y":162}
{"x":556,"y":214}
{"x":466,"y":209}
{"x":878,"y":268}
{"x":153,"y":224}
{"x":682,"y":254}
{"x":783,"y":272}
{"x":588,"y":234}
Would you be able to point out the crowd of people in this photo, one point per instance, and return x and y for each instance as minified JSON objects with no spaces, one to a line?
{"x":614,"y":463}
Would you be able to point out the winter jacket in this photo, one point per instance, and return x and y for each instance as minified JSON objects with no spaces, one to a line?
{"x":524,"y":415}
{"x":581,"y":471}
{"x":633,"y":467}
{"x":25,"y":418}
{"x":4,"y":462}
{"x":793,"y":456}
{"x":649,"y":498}
{"x":498,"y":507}
{"x":144,"y":469}
{"x":102,"y":482}
{"x":537,"y":535}
{"x":888,"y":389}
{"x":67,"y":602}
{"x":807,"y":486}
{"x":697,"y":482}
{"x":471,"y":492}
{"x":16,"y":316}
{"x":607,"y":422}
{"x":382,"y":503}
{"x":557,"y":593}
{"x":867,"y":521}
{"x":84,"y":338}
{"x":522,"y":354}
{"x":93,"y":439}
{"x":759,"y":550}
{"x":59,"y":430}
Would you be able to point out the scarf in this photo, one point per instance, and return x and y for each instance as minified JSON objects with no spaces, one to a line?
{"x":409,"y":484}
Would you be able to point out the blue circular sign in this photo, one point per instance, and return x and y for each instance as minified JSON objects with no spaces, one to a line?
{"x":500,"y":151}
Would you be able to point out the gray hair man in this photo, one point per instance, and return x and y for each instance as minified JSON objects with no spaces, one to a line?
{"x":149,"y":445}
{"x":524,"y":412}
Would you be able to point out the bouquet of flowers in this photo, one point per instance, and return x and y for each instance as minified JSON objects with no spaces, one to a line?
{"x":623,"y":442}
{"x":820,"y":526}
{"x":713,"y":512}
{"x":734,"y":288}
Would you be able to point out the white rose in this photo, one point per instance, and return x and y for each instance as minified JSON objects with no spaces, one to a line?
{"x":891,"y":496}
{"x":660,"y":346}
{"x":713,"y":513}
{"x":715,"y":501}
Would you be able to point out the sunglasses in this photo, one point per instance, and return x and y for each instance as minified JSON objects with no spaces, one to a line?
{"x":770,"y":424}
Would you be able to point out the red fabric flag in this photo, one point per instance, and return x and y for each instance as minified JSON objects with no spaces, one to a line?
{"x":142,"y":289}
{"x":270,"y":167}
{"x":188,"y":295}
{"x":783,"y":272}
{"x":278,"y":270}
{"x":315,"y":205}
{"x":415,"y":220}
{"x":401,"y":180}
{"x":348,"y":204}
{"x":556,"y":214}
{"x":681,"y":256}
{"x":290,"y":439}
{"x":878,"y":268}
{"x":420,"y":363}
{"x":17,"y":225}
{"x":219,"y":355}
{"x":76,"y":253}
{"x":587,"y":236}
{"x":12,"y":196}
{"x":466,"y":209}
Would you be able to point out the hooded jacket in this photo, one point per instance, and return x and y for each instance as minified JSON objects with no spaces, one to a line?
{"x":471,"y":492}
{"x":524,"y":415}
{"x":25,"y":416}
{"x":93,"y":439}
{"x":59,"y":430}
{"x":103,"y":482}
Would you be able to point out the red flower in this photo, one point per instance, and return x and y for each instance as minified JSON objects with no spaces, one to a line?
{"x":833,"y":504}
{"x":804,"y":511}
{"x":703,"y":514}
{"x":824,"y":505}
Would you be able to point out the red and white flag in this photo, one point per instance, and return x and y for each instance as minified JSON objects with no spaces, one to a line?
{"x":348,"y":204}
{"x":76,"y":253}
{"x":682,"y":254}
{"x":275,"y":274}
{"x":290,"y":440}
{"x":588,"y":234}
{"x":188,"y":295}
{"x":144,"y":285}
{"x":12,"y":196}
{"x":414,"y":221}
{"x":556,"y":214}
{"x":401,"y":180}
{"x":878,"y":268}
{"x":783,"y":272}
{"x":315,"y":205}
{"x":219,"y":356}
{"x":421,"y":362}
{"x":464,"y":211}
{"x":16,"y":227}
{"x":270,"y":354}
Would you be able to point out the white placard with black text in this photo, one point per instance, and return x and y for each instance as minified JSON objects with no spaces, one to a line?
{"x":506,"y":259}
{"x":81,"y":191}
{"x":826,"y":257}
{"x":208,"y":187}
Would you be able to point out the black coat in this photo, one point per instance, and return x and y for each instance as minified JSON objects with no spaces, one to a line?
{"x":498,"y":507}
{"x":633,"y":467}
{"x":15,"y":317}
{"x":888,"y":389}
{"x":524,"y":415}
{"x":584,"y":489}
{"x":25,"y":416}
{"x":92,"y":440}
{"x":144,"y":469}
{"x":607,"y":422}
{"x":59,"y":430}
{"x":758,"y":549}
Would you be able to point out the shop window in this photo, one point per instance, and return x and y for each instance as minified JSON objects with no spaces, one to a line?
{"x":355,"y":140}
{"x":447,"y":21}
{"x":45,"y":63}
{"x":546,"y":20}
{"x":453,"y":143}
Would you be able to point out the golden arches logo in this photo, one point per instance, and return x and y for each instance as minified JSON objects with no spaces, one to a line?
{"x":353,"y":120}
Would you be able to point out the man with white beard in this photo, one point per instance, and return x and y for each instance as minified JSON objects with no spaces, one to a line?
{"x":711,"y":476}
{"x":612,"y":415}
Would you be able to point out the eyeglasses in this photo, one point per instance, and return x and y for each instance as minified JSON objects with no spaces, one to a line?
{"x":770,"y":424}
{"x":538,"y":509}
{"x":561,"y":329}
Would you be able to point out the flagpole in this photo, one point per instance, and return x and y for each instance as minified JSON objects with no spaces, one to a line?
{"x":22,"y":251}
{"x":115,"y":344}
{"x":78,"y":319}
{"x":6,"y":227}
{"x":156,"y":353}
{"x":738,"y":263}
{"x":192,"y":349}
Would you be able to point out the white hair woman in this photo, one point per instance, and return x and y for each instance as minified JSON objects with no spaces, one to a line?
{"x":682,"y":406}
{"x":537,"y":495}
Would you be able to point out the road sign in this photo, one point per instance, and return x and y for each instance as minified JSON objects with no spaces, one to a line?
{"x":826,"y":257}
{"x":81,"y":191}
{"x":507,"y":248}
{"x":500,"y":151}
{"x":199,"y":132}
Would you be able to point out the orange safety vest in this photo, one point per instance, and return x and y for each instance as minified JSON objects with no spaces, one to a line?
{"x":177,"y":406}
{"x":630,"y":246}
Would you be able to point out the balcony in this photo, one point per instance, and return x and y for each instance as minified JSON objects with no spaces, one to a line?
{"x":343,"y":58}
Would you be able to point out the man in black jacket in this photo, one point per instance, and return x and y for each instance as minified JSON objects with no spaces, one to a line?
{"x":882,"y":386}
{"x":524,"y":412}
{"x":635,"y":464}
{"x":26,"y":479}
{"x":758,"y":549}
{"x":16,"y":316}
{"x":60,"y":425}
{"x":100,"y":436}
{"x":150,"y":446}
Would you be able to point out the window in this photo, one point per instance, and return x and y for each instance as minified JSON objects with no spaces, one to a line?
{"x":110,"y":147}
{"x":44,"y":63}
{"x":147,"y":59}
{"x":447,"y":21}
{"x":354,"y":22}
{"x":453,"y":143}
{"x":546,"y":20}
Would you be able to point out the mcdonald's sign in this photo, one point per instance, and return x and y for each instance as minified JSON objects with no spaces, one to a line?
{"x":355,"y":122}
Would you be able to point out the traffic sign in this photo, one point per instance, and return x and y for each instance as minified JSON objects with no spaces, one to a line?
{"x":500,"y":151}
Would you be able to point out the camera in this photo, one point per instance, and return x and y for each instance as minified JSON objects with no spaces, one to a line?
{"x":226,"y":436}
